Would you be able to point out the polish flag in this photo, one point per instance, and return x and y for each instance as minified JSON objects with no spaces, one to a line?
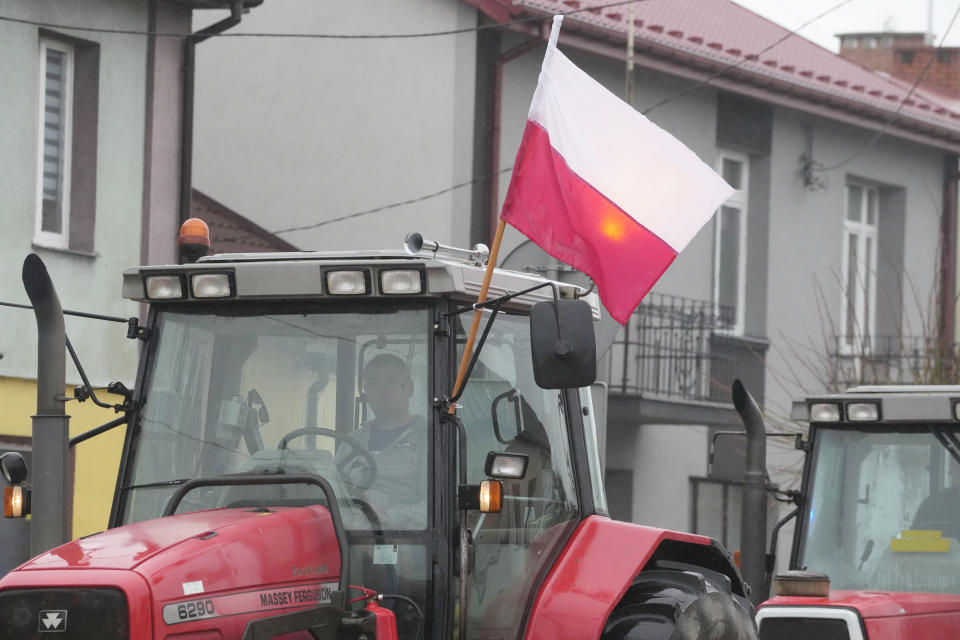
{"x":601,"y":188}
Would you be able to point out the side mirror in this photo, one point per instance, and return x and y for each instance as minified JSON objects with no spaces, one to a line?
{"x":563,"y":344}
{"x":13,"y":467}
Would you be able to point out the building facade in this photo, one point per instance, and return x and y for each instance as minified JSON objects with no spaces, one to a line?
{"x":92,"y":162}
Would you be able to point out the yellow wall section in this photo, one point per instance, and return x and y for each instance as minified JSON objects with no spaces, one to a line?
{"x":97,"y":460}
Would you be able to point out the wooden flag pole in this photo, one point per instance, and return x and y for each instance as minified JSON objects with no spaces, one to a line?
{"x":468,"y":347}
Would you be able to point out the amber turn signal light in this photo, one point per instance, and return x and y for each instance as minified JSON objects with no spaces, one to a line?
{"x":16,"y":502}
{"x":491,"y":496}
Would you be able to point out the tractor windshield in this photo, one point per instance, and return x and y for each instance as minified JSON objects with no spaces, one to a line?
{"x":883,"y":509}
{"x":242,"y":390}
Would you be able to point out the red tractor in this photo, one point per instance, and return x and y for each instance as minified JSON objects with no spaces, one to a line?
{"x":876,"y":550}
{"x":292,"y":468}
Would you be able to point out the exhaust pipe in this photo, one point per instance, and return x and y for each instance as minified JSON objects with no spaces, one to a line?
{"x":753,"y":523}
{"x":51,"y":425}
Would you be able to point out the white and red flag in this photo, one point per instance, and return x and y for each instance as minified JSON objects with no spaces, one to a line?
{"x":601,"y":188}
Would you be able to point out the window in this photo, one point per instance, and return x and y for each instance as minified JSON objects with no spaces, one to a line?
{"x":54,"y":146}
{"x":859,"y":269}
{"x":730,"y":243}
{"x":906,"y":57}
{"x":68,"y":85}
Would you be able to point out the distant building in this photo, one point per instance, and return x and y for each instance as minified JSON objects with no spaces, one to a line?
{"x":908,"y":56}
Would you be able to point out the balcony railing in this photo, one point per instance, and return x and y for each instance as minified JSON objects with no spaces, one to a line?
{"x":667,"y":349}
{"x":891,"y":360}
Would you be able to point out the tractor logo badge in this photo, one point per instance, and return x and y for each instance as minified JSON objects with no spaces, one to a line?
{"x":53,"y":620}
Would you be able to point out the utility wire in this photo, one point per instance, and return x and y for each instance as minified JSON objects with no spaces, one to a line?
{"x":320,"y":36}
{"x":672,"y":98}
{"x":394,"y":204}
{"x":891,"y":119}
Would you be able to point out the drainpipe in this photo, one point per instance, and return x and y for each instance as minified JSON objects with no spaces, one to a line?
{"x":753,"y":523}
{"x":186,"y":129}
{"x":496,"y":106}
{"x":946,"y":325}
{"x":51,"y":424}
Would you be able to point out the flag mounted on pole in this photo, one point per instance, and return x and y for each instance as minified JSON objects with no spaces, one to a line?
{"x":601,"y":188}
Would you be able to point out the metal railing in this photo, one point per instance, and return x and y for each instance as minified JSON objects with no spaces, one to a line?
{"x":666,"y":348}
{"x":894,"y":359}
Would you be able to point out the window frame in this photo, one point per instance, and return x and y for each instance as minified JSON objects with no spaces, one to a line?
{"x":52,"y":239}
{"x":740,"y":201}
{"x":865,"y":295}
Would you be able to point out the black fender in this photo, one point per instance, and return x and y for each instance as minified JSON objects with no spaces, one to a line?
{"x":684,"y":592}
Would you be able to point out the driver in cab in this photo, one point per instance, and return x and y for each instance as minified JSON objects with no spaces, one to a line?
{"x":398,"y":443}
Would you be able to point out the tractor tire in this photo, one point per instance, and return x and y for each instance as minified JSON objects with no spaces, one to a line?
{"x":693,"y":604}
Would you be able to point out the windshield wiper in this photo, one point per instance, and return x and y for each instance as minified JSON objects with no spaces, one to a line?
{"x":949,"y":441}
{"x":162,"y":483}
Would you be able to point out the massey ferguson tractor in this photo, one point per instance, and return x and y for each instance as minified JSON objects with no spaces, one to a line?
{"x":261,"y":494}
{"x":876,"y":550}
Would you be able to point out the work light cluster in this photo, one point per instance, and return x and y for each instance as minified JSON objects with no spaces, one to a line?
{"x":337,"y":282}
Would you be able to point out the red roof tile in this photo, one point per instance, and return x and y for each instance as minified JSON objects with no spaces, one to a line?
{"x":719,"y":31}
{"x":230,"y":232}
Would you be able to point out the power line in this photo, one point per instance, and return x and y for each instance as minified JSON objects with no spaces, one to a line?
{"x":318,"y":36}
{"x":672,"y":98}
{"x":394,"y":204}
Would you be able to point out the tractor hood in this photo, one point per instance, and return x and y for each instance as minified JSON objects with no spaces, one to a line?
{"x":210,"y":551}
{"x":877,"y":604}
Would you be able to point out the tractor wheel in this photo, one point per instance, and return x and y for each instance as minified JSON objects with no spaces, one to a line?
{"x":693,"y":604}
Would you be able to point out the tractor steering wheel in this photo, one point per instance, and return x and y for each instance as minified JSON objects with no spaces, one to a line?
{"x":357,"y":450}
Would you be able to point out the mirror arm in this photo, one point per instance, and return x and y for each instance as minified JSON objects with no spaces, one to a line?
{"x":86,"y":435}
{"x":476,"y":354}
{"x":497,"y":302}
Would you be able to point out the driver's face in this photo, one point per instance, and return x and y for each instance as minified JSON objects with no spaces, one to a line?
{"x":388,"y":389}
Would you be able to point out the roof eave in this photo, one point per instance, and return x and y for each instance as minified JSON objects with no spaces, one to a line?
{"x":742,"y":80}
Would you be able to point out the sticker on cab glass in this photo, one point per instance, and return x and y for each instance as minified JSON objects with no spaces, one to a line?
{"x":385,"y":554}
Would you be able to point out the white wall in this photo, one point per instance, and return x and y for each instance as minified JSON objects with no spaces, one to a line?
{"x":84,"y":282}
{"x":291,"y":132}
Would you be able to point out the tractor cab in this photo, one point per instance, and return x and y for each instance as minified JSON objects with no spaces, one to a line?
{"x":309,"y":454}
{"x":341,"y":366}
{"x":880,"y":515}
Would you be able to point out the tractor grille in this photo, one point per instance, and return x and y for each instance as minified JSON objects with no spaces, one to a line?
{"x":803,"y":629}
{"x":39,"y":614}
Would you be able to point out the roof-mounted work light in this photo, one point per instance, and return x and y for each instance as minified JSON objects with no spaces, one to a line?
{"x":863,"y":412}
{"x":167,"y":287}
{"x":825,"y":412}
{"x":401,"y":281}
{"x":347,"y":283}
